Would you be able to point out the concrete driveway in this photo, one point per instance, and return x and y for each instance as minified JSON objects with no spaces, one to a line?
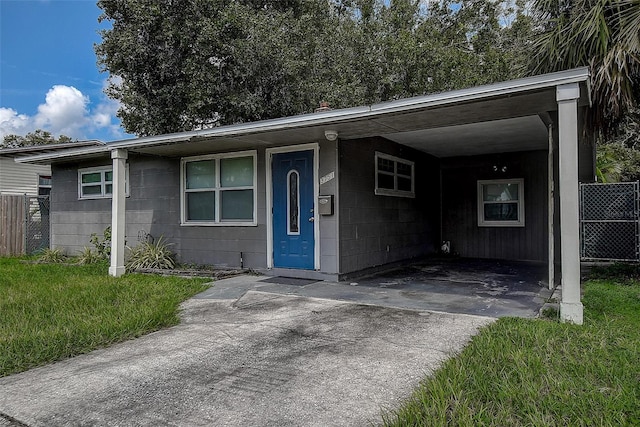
{"x":263,"y":359}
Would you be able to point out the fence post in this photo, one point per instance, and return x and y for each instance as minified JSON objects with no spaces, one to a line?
{"x":25,"y":225}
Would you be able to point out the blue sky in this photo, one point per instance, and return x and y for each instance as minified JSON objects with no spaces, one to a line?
{"x":48,"y":73}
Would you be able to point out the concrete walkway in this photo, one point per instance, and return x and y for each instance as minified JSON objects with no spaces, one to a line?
{"x":464,"y":286}
{"x":242,"y":357}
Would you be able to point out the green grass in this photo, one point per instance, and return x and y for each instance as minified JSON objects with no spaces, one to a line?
{"x":50,"y":312}
{"x":520,"y":372}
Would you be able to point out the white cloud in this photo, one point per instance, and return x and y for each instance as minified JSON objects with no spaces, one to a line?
{"x":12,"y":122}
{"x":66,"y":111}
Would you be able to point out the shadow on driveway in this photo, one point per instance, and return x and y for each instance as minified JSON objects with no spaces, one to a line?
{"x":261,"y":360}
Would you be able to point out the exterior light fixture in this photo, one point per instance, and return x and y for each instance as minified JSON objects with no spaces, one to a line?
{"x":331,"y":135}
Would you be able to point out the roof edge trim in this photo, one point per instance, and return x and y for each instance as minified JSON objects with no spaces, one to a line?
{"x":542,"y":81}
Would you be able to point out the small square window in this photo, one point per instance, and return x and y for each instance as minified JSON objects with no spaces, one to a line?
{"x":96,"y":183}
{"x":44,"y":185}
{"x":501,"y":203}
{"x":394,"y":176}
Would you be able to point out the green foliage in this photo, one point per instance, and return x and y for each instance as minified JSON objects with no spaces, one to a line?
{"x":522,"y":372}
{"x":52,"y":256}
{"x":51,"y":312}
{"x":617,"y":163}
{"x":602,"y":34}
{"x":155,"y":255}
{"x":102,"y":243}
{"x":38,"y":137}
{"x":89,"y":256}
{"x":189,"y":64}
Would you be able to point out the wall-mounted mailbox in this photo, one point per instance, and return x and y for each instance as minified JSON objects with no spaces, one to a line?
{"x":325,"y":205}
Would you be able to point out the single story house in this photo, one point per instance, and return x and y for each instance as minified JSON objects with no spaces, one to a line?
{"x":30,"y":179}
{"x":493,"y":170}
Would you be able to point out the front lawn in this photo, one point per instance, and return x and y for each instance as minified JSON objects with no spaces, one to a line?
{"x":50,"y":312}
{"x":520,"y":372}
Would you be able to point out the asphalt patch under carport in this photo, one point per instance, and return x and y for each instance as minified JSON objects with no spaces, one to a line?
{"x":261,"y":360}
{"x":492,"y":288}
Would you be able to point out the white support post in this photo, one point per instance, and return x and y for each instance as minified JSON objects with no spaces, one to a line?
{"x":118,"y":212}
{"x":571,"y":309}
{"x":551,"y":196}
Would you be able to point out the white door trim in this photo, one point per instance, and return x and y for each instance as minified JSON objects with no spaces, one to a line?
{"x":316,"y":190}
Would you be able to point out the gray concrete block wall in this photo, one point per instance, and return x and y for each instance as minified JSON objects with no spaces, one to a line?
{"x":329,"y":223}
{"x":377,"y":230}
{"x":153,"y":207}
{"x":73,"y":220}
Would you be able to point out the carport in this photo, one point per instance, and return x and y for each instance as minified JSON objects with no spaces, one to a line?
{"x":476,"y":133}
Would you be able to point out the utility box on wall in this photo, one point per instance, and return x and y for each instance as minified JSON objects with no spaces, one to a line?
{"x":325,"y":205}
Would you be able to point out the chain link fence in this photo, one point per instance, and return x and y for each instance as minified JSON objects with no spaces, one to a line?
{"x":610,"y":221}
{"x":37,"y":224}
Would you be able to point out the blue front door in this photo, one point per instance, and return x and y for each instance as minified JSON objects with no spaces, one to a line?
{"x":293,"y":215}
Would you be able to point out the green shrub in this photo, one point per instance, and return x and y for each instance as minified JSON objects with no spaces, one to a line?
{"x":151,"y":255}
{"x":89,"y":256}
{"x":52,"y":256}
{"x":102,"y":245}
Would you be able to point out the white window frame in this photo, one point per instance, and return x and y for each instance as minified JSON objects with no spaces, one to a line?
{"x":520,"y":202}
{"x":395,"y":192}
{"x":49,"y":186}
{"x":103,"y":193}
{"x":217,"y":189}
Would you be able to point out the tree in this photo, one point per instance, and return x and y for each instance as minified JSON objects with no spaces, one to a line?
{"x":38,"y":137}
{"x":601,"y":34}
{"x":618,"y":159}
{"x":187,"y":64}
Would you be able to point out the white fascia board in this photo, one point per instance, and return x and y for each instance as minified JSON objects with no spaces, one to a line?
{"x":263,"y":126}
{"x":103,"y":149}
{"x":356,"y":113}
{"x":332,"y":117}
{"x":70,"y":153}
{"x":543,"y":81}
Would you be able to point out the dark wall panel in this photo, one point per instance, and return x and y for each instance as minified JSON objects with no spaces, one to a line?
{"x":374,"y":229}
{"x":460,"y":210}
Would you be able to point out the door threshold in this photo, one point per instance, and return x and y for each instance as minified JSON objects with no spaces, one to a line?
{"x":300,"y":274}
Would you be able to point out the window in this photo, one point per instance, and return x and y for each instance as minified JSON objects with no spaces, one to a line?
{"x":219,"y":189}
{"x":394,"y":176}
{"x":501,"y":203}
{"x":293,"y":203}
{"x":97,"y":183}
{"x":44,"y":185}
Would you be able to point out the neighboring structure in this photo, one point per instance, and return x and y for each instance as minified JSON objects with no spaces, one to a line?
{"x":29,"y":179}
{"x":492,"y":169}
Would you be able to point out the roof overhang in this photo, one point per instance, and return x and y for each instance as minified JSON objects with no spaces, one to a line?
{"x":45,"y":149}
{"x":499,"y":117}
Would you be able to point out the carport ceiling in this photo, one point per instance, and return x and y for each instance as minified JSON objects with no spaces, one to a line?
{"x":498,"y":136}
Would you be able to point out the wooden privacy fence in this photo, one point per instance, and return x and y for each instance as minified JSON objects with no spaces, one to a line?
{"x":12,"y":225}
{"x":24,"y":224}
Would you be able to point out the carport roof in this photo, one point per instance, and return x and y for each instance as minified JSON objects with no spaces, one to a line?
{"x":499,"y":117}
